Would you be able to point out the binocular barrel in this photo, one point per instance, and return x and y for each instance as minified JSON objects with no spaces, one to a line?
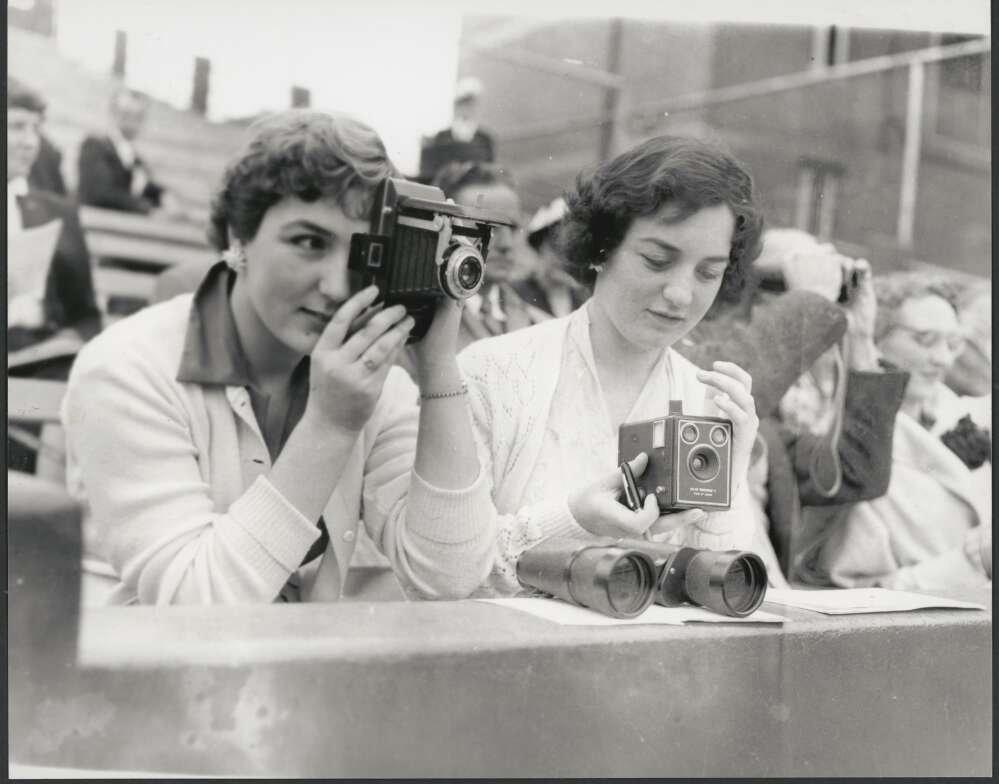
{"x":729,"y":582}
{"x":621,"y":578}
{"x":617,"y":581}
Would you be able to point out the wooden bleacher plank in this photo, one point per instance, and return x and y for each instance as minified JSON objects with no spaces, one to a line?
{"x":157,"y":254}
{"x":97,"y":219}
{"x":111,"y":282}
{"x":34,"y":400}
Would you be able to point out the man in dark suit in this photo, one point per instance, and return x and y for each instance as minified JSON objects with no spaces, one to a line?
{"x":464,"y":140}
{"x":112,"y":175}
{"x":68,"y":299}
{"x":67,"y":304}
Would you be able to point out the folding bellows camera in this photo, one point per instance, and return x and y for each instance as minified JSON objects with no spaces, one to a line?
{"x":420,"y":249}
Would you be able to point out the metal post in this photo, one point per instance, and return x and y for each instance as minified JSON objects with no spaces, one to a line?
{"x":612,"y":98}
{"x":201,"y":86}
{"x":120,"y":54}
{"x":910,"y":155}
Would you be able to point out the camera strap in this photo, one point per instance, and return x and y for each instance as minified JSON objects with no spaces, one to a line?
{"x":825,"y":469}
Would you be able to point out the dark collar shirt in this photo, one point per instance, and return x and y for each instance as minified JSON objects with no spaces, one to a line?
{"x":213,"y":355}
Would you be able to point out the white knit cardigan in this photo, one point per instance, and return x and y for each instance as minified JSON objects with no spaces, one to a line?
{"x":512,"y":382}
{"x":181,"y":509}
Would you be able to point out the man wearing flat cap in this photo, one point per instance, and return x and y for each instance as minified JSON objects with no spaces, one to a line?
{"x":464,"y":140}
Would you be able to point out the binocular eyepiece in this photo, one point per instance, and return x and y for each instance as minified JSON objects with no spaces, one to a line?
{"x":622,"y":577}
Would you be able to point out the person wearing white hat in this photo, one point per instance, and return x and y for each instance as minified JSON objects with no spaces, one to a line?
{"x":549,"y":287}
{"x":464,"y":140}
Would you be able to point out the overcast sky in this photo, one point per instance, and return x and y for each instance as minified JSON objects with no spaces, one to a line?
{"x":392,"y":63}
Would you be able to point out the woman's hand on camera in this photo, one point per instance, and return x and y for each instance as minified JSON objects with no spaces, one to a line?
{"x":347,"y":373}
{"x":598,"y":509}
{"x":733,"y":387}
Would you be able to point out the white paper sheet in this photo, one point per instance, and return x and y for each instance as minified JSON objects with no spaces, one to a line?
{"x":29,"y":256}
{"x":569,"y":615}
{"x":843,"y":601}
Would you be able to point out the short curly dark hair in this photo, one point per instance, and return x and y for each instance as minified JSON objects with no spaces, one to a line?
{"x":685,"y":173}
{"x":302,"y":153}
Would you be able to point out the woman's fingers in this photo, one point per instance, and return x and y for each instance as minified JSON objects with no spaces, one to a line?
{"x":736,"y":372}
{"x":379,"y":325}
{"x":730,"y":386}
{"x":333,"y":335}
{"x":736,"y":413}
{"x":614,"y":481}
{"x":618,"y":520}
{"x":386,"y":347}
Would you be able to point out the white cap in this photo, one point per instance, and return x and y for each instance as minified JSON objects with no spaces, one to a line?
{"x":469,"y":87}
{"x":547,"y":216}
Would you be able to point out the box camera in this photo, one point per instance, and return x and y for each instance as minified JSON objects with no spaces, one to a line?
{"x":421,"y":248}
{"x":690,"y":461}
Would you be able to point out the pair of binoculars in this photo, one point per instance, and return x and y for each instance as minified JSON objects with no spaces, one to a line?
{"x":623,"y":577}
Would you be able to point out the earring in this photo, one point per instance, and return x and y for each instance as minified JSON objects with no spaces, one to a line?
{"x":597,"y":267}
{"x":235,"y":257}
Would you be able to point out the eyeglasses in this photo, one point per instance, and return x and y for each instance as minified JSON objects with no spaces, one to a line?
{"x":928,"y":338}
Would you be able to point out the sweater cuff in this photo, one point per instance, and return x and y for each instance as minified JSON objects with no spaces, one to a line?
{"x":554,"y":519}
{"x":277,"y":526}
{"x":447,"y":516}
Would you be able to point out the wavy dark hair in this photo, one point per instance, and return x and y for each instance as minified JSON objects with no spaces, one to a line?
{"x":684,"y":173}
{"x":300,"y":153}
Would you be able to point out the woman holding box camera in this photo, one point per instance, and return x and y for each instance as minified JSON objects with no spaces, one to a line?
{"x":228,"y":442}
{"x":658,"y":233}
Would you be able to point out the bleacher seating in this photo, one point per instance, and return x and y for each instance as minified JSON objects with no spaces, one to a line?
{"x":148,"y":245}
{"x":185,"y":151}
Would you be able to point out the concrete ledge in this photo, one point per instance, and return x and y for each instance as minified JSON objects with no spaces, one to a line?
{"x":468,"y":689}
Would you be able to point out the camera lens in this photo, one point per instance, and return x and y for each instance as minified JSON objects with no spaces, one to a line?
{"x":719,"y":435}
{"x":731,"y":583}
{"x":628,"y":585}
{"x":462,"y":271}
{"x":689,"y":433}
{"x":469,"y":273}
{"x":703,"y":463}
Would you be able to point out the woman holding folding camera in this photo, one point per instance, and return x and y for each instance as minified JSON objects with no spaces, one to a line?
{"x":658,"y":233}
{"x":228,"y":443}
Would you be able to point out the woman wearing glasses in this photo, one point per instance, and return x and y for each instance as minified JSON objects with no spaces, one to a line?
{"x":932,"y":530}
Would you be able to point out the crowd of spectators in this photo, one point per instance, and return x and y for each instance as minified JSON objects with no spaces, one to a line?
{"x":861,"y":399}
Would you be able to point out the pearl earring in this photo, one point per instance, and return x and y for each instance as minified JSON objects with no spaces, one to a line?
{"x":235,"y":257}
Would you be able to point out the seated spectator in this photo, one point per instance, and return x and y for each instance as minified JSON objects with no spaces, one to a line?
{"x":464,"y":140}
{"x":815,"y":450}
{"x":548,"y":285}
{"x":972,"y":371}
{"x":932,"y":530}
{"x":65,"y":304}
{"x":112,"y":175}
{"x":657,"y":233}
{"x":227,"y":441}
{"x":497,"y":308}
{"x":67,"y":301}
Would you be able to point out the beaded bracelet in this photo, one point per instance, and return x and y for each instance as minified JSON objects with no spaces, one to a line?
{"x":452,"y":393}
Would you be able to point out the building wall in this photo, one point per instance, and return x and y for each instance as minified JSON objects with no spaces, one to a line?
{"x":549,"y":127}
